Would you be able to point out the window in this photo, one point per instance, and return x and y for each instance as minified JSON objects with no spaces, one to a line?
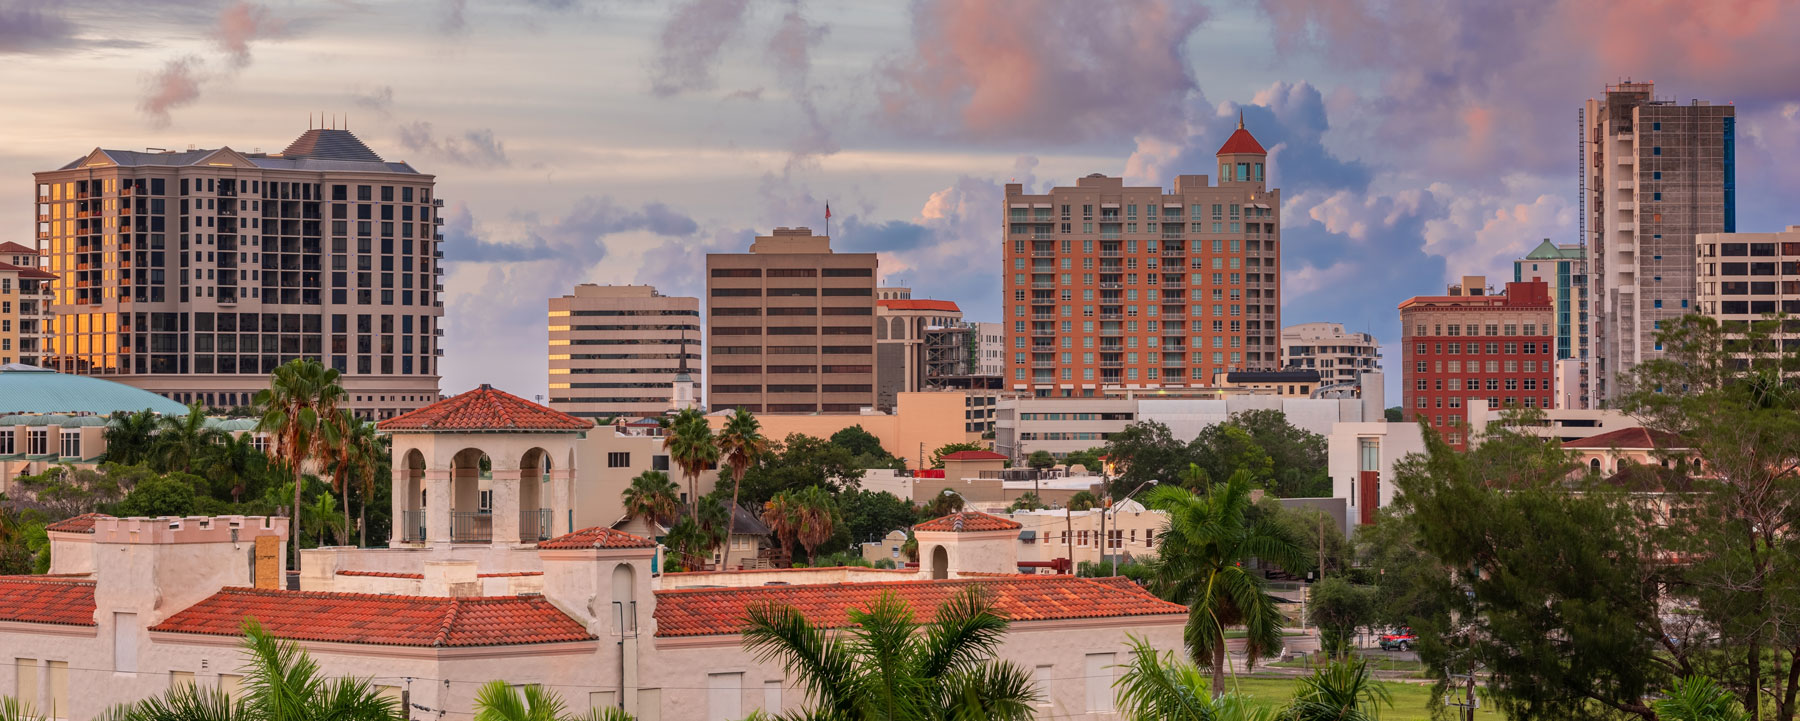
{"x":618,"y":459}
{"x":125,"y":642}
{"x":1097,"y":671}
{"x":724,"y":696}
{"x":70,"y":439}
{"x":58,"y":673}
{"x":25,"y":675}
{"x":1043,"y":674}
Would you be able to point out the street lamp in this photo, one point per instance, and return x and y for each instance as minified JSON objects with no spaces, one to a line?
{"x":1109,"y":509}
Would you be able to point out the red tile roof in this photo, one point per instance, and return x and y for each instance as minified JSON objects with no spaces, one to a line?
{"x":716,"y":611}
{"x":36,"y":599}
{"x":946,"y":306}
{"x":83,"y":523}
{"x":11,"y":247}
{"x":380,"y":620}
{"x":27,"y":272}
{"x":1634,"y":438}
{"x":967,"y":521}
{"x":484,"y":409}
{"x":1241,"y":142}
{"x":975,"y":456}
{"x":597,"y":537}
{"x":382,"y":574}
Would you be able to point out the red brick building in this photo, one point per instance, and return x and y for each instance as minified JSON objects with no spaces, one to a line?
{"x":1473,"y":345}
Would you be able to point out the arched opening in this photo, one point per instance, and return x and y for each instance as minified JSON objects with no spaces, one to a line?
{"x":881,"y":329}
{"x":1594,"y":464}
{"x":940,"y":563}
{"x":412,"y":491}
{"x":534,"y":517}
{"x":624,"y":581}
{"x":471,"y":519}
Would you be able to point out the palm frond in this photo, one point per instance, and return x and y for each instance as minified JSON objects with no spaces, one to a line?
{"x":825,"y":671}
{"x":993,"y":691}
{"x":1698,"y":698}
{"x":182,"y":702}
{"x":967,"y":630}
{"x":1154,"y":687}
{"x":883,"y":639}
{"x":12,"y":709}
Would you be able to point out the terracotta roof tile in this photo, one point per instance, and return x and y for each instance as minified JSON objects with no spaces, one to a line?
{"x":1241,"y":142}
{"x":36,"y":599}
{"x":946,"y":306}
{"x":11,"y":247}
{"x":975,"y":456}
{"x":83,"y":523}
{"x":485,"y":409}
{"x":1635,"y":437}
{"x":597,"y":537}
{"x":381,"y":574}
{"x":718,"y":611}
{"x":28,"y":272}
{"x":380,"y":620}
{"x":968,"y":521}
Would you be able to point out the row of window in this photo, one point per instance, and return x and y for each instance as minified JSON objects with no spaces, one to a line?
{"x":793,"y":272}
{"x":1475,"y":329}
{"x":36,"y":442}
{"x":790,"y":292}
{"x":1130,"y":373}
{"x":1476,"y":348}
{"x":1474,"y":384}
{"x":1511,"y":366}
{"x":751,"y":369}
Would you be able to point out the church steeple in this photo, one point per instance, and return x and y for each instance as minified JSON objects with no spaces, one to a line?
{"x":681,"y":392}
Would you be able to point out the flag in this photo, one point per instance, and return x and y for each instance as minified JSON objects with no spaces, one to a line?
{"x":828,"y":211}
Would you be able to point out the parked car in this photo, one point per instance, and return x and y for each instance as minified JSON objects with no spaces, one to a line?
{"x":1400,"y":639}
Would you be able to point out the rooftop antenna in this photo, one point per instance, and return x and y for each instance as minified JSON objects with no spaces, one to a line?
{"x":1240,"y":118}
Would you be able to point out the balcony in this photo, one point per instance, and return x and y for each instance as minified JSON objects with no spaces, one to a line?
{"x":1043,"y":347}
{"x":1627,"y":159}
{"x":1111,"y":316}
{"x":1111,"y":254}
{"x":1625,"y":227}
{"x":1043,"y":254}
{"x":1627,"y":184}
{"x":1111,"y":285}
{"x":1043,"y":332}
{"x":1043,"y":284}
{"x":1043,"y":316}
{"x":1625,"y":205}
{"x":437,"y":202}
{"x":1043,"y":364}
{"x":1111,"y":331}
{"x":1112,"y":364}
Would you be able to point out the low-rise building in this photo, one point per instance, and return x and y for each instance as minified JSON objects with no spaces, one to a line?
{"x":1283,"y":383}
{"x":1472,"y":344}
{"x":1338,"y":355}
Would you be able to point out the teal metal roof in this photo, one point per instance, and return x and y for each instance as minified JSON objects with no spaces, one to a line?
{"x":231,"y":425}
{"x":32,"y":390}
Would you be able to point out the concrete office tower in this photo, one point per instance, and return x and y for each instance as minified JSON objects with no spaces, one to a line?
{"x":1655,"y":173}
{"x":617,"y":350}
{"x":1469,"y":345}
{"x":1339,"y":356}
{"x":1111,"y":287}
{"x":24,"y":306}
{"x":193,"y":274}
{"x":903,"y":325}
{"x":1563,"y":268}
{"x":790,"y":327}
{"x":1745,"y":275}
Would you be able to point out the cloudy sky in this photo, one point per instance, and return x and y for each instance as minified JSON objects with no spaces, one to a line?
{"x":615,"y":141}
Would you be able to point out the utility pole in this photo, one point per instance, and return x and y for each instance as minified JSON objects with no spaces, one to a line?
{"x":1468,"y":703}
{"x":1069,"y":535}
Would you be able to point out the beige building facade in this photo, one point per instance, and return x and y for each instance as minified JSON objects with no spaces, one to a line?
{"x":1338,"y":355}
{"x":25,"y":300}
{"x":193,"y":274}
{"x":1655,"y":173}
{"x":791,"y":327}
{"x":904,"y":330}
{"x":616,"y":350}
{"x":1744,"y":276}
{"x":1109,"y":286}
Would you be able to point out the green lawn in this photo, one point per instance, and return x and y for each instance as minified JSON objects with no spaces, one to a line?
{"x":1380,"y":664}
{"x":1412,"y":702}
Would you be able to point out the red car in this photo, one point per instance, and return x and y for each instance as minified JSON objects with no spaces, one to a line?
{"x":1401,"y":639}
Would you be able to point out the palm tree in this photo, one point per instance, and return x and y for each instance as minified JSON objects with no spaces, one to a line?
{"x":1199,"y":563}
{"x":129,"y":436}
{"x":12,"y":709}
{"x":651,"y":497}
{"x":1698,"y":698}
{"x":807,"y":516}
{"x":888,"y":666}
{"x":181,"y":440}
{"x":281,"y":683}
{"x":351,"y":450}
{"x":780,"y":514}
{"x":714,"y":524}
{"x":689,"y":442}
{"x":367,"y":449}
{"x":741,"y":444}
{"x":1157,"y":687}
{"x":1340,"y":691}
{"x":236,"y":460}
{"x":302,"y":393}
{"x":501,"y":701}
{"x":323,"y":514}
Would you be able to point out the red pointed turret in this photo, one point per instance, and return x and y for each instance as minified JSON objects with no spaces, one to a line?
{"x":1241,"y":142}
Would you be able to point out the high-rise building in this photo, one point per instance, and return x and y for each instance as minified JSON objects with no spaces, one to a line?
{"x":617,"y":350}
{"x":790,"y":327}
{"x":1655,"y":173}
{"x":24,"y":305}
{"x":193,"y":274}
{"x":1746,"y":275}
{"x":1564,"y":269}
{"x":907,"y":330}
{"x":1340,"y":357}
{"x":1470,"y":344}
{"x":1115,"y":287}
{"x":990,"y":353}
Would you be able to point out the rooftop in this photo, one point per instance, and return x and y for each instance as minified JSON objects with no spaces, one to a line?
{"x":597,"y":537}
{"x":1633,"y":438}
{"x":968,"y":522}
{"x":1241,"y":141}
{"x":317,"y":149}
{"x":721,"y":611}
{"x":29,"y":389}
{"x":382,"y":620}
{"x":975,"y":456}
{"x":83,"y":523}
{"x":11,"y":247}
{"x":26,"y":272}
{"x":945,"y":306}
{"x":39,"y":599}
{"x":485,"y":409}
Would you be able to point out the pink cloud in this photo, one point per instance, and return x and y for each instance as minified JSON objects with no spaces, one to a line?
{"x":176,"y":85}
{"x":239,"y":25}
{"x":1032,"y":69}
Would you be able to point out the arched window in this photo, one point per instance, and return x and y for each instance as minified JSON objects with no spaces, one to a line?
{"x":1594,"y":464}
{"x":623,"y":603}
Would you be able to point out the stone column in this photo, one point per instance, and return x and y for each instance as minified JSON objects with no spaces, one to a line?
{"x":561,"y":500}
{"x":504,"y":491}
{"x":399,"y":497}
{"x":437,"y":506}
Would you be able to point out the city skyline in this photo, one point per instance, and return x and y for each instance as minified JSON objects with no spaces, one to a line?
{"x":615,"y":143}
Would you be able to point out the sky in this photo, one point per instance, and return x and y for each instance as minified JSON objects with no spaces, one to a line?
{"x":616,"y":141}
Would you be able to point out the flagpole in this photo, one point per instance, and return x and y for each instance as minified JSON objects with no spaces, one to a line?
{"x":827,"y":219}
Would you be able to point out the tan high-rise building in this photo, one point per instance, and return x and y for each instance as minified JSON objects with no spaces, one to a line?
{"x":903,"y":329}
{"x":1655,"y":174}
{"x":24,"y":305}
{"x":1115,"y":287}
{"x":1746,"y":275}
{"x":617,"y":350}
{"x":194,"y":274}
{"x":1339,"y":356}
{"x":790,"y":326}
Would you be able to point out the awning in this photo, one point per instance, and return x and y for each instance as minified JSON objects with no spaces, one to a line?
{"x":1028,"y":534}
{"x":1040,"y":205}
{"x":1021,"y":205}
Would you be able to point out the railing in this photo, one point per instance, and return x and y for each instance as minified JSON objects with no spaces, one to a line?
{"x":471,"y":527}
{"x":412,"y":526}
{"x":534,"y":525}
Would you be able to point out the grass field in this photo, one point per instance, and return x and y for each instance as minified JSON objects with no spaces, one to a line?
{"x":1412,"y":702}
